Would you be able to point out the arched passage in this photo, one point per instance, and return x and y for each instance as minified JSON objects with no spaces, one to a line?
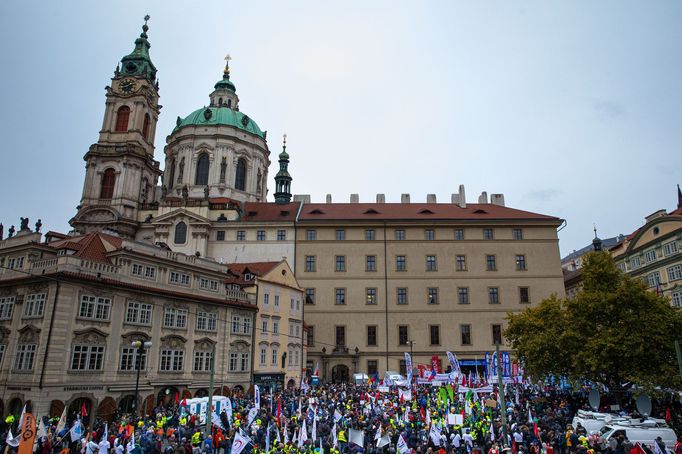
{"x":148,"y":405}
{"x":56,"y":409}
{"x":126,"y":404}
{"x":166,"y":396}
{"x":201,"y":392}
{"x":186,"y":394}
{"x":340,"y":373}
{"x":76,"y":408}
{"x":14,"y":407}
{"x":291,"y":384}
{"x":107,"y":409}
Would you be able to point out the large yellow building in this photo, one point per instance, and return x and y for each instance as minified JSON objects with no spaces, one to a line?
{"x":652,"y":253}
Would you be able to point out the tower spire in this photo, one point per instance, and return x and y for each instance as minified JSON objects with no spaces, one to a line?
{"x":596,"y":242}
{"x":679,"y":197}
{"x":138,"y":63}
{"x":283,"y":179}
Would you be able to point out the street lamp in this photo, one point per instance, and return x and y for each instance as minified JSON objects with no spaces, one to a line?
{"x":141,"y":347}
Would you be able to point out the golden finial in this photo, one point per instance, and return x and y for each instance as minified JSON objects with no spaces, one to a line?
{"x":226,"y":72}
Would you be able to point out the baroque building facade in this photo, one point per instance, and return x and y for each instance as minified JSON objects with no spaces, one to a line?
{"x":375,"y":280}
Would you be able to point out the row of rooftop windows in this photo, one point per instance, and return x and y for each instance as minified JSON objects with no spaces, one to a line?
{"x":650,"y":256}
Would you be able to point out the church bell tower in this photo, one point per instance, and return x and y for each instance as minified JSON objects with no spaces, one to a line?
{"x":120,"y":170}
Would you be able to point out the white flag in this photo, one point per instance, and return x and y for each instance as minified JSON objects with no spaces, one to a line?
{"x":530,"y":417}
{"x":377,"y":436}
{"x":656,"y":448}
{"x":492,"y":432}
{"x":131,"y":444}
{"x":42,"y":430}
{"x":228,"y":410}
{"x":252,"y":415}
{"x":434,"y":433}
{"x":286,"y":434}
{"x":356,"y":437}
{"x":314,"y":432}
{"x":334,"y":437}
{"x":337,"y":416}
{"x":256,"y":395}
{"x":428,"y":418}
{"x":405,"y":394}
{"x":240,"y":442}
{"x":76,"y":430}
{"x":215,"y":419}
{"x":384,"y":441}
{"x":62,"y":422}
{"x":402,"y":446}
{"x":303,"y":435}
{"x":12,"y":440}
{"x":406,"y":415}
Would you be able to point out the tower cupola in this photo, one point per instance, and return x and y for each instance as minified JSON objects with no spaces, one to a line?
{"x":225,"y":93}
{"x":283,"y":179}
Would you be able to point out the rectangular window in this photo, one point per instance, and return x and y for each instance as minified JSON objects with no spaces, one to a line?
{"x":266,"y":299}
{"x":276,"y":300}
{"x":653,"y":279}
{"x":432,"y":295}
{"x":207,"y":321}
{"x":674,"y":272}
{"x":244,"y":362}
{"x":340,"y":336}
{"x":487,"y":234}
{"x":621,"y":266}
{"x":459,"y":234}
{"x":25,"y":355}
{"x":15,"y":263}
{"x":399,"y":234}
{"x":236,"y":324}
{"x":400,"y":263}
{"x":260,"y":235}
{"x":370,"y":234}
{"x":490,"y":263}
{"x":434,"y":331}
{"x":310,"y":263}
{"x":6,"y":307}
{"x":340,"y":263}
{"x":129,"y":359}
{"x":87,"y":357}
{"x":311,"y":235}
{"x":465,"y":331}
{"x":430,"y":263}
{"x":401,"y":293}
{"x":497,"y":334}
{"x":371,"y":335}
{"x":402,"y":367}
{"x":670,"y":248}
{"x":177,"y":278}
{"x":339,"y":296}
{"x":310,"y":296}
{"x":264,"y":326}
{"x":246,"y":321}
{"x":463,"y":295}
{"x":493,"y":295}
{"x":524,"y":295}
{"x":429,"y":234}
{"x":34,"y":305}
{"x":372,"y":367}
{"x":208,"y":284}
{"x":340,"y":235}
{"x":94,"y":308}
{"x":402,"y":335}
{"x":370,"y":263}
{"x":274,"y":357}
{"x":275,"y":327}
{"x":634,"y":262}
{"x":2,"y":353}
{"x":650,"y":256}
{"x":263,"y":353}
{"x":202,"y":361}
{"x":233,"y":362}
{"x":220,"y":235}
{"x":521,"y":263}
{"x":241,"y":235}
{"x":371,"y":295}
{"x":172,"y":360}
{"x":677,"y":299}
{"x":174,"y":318}
{"x":461,"y":263}
{"x":517,"y":234}
{"x":281,"y":235}
{"x":139,"y":313}
{"x":310,"y":336}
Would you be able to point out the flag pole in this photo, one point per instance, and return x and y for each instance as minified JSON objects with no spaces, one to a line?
{"x":500,"y":387}
{"x":209,"y":405}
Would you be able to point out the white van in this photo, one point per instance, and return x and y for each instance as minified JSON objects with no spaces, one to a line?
{"x":393,"y":378}
{"x":640,"y":433}
{"x":593,"y":421}
{"x":360,"y":379}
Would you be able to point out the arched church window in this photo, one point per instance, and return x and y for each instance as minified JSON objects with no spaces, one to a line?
{"x":145,"y":126}
{"x":220,"y":102}
{"x":122,"y":117}
{"x":229,"y":103}
{"x":171,"y":174}
{"x":180,"y":233}
{"x":108,"y":182}
{"x":240,"y":176}
{"x":202,"y":170}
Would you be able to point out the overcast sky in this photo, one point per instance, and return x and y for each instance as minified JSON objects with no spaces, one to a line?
{"x":571,"y":108}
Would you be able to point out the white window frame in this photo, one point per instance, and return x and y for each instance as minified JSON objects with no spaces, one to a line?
{"x":207,"y":321}
{"x":670,"y":248}
{"x":171,"y":360}
{"x":676,"y":299}
{"x":650,"y":256}
{"x":138,"y":313}
{"x":94,"y":308}
{"x":7,"y":307}
{"x":208,"y":284}
{"x":653,"y":279}
{"x":91,"y":357}
{"x":674,"y":272}
{"x":174,"y":317}
{"x":263,"y":354}
{"x":178,"y":278}
{"x":202,"y":360}
{"x":635,"y":262}
{"x":25,"y":356}
{"x":128,"y":360}
{"x":274,"y":356}
{"x":34,"y":305}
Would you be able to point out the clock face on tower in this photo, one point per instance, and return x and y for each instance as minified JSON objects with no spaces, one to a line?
{"x":127,"y":85}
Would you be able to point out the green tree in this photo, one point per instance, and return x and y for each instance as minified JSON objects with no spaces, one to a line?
{"x":615,"y":331}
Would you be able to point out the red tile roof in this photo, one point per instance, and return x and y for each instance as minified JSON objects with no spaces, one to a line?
{"x":416,"y":211}
{"x":267,"y":211}
{"x":257,"y":268}
{"x":92,"y":246}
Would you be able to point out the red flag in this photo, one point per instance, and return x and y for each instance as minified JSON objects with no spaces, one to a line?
{"x":177,"y":398}
{"x":434,"y":363}
{"x":464,"y":380}
{"x":84,"y":412}
{"x":637,"y":449}
{"x":668,"y":416}
{"x":536,"y":430}
{"x":184,"y":402}
{"x":279,"y":410}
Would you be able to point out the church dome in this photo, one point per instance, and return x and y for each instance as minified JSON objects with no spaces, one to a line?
{"x":220,"y":116}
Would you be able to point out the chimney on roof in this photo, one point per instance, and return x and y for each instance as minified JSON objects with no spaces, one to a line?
{"x":655,"y":215}
{"x":405,"y":198}
{"x":497,"y":199}
{"x":483,"y":198}
{"x":305,"y":198}
{"x":329,"y":198}
{"x":354,"y":198}
{"x":462,"y":197}
{"x":381,"y":198}
{"x":431,"y":198}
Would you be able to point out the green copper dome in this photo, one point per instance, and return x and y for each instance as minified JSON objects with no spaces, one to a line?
{"x":225,"y":84}
{"x":217,"y":116}
{"x":138,"y":62}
